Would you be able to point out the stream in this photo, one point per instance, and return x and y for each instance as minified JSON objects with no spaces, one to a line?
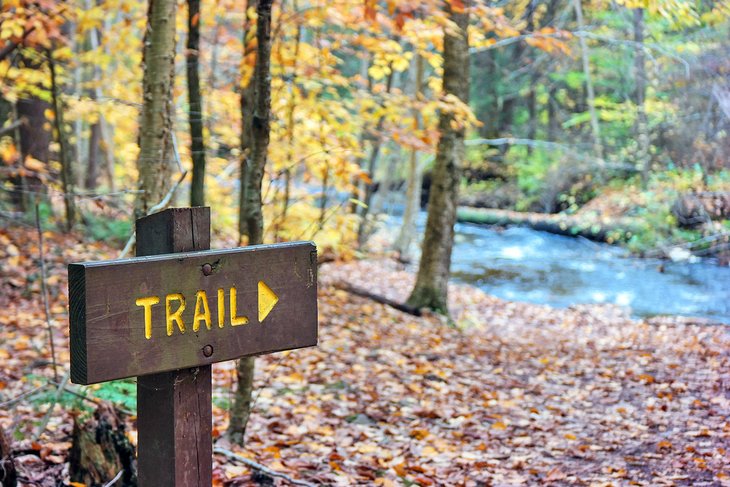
{"x":521,"y":264}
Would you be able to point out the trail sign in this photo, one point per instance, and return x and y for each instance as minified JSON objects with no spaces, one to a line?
{"x":166,"y":318}
{"x":145,"y":315}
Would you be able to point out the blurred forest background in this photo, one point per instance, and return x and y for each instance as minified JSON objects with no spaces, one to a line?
{"x":617,"y":112}
{"x":604,"y":120}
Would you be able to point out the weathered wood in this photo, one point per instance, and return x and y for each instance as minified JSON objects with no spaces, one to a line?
{"x":174,"y":409}
{"x":166,"y":318}
{"x":108,"y":335}
{"x":174,"y":422}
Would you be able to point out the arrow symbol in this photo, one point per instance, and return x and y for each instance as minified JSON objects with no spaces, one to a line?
{"x":267,"y":300}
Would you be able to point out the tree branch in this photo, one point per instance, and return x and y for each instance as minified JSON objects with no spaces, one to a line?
{"x":259,"y":467}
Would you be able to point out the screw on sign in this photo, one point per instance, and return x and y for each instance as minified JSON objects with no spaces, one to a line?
{"x":167,"y":314}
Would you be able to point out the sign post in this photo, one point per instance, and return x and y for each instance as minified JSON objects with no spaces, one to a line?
{"x":168,"y":314}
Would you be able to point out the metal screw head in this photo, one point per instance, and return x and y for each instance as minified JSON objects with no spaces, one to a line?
{"x":207,"y":269}
{"x":208,"y":350}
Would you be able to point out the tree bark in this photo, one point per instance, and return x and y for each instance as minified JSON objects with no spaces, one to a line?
{"x":290,"y":121}
{"x":413,"y":192}
{"x":195,"y":102}
{"x":552,"y":113}
{"x":590,"y":95}
{"x":67,"y":177}
{"x":247,"y":95}
{"x":641,"y":129}
{"x":34,"y":142}
{"x":155,"y":161}
{"x":106,"y":137}
{"x":251,"y":216}
{"x":533,"y":80}
{"x":92,"y":168}
{"x":431,"y":289}
{"x":377,"y":142}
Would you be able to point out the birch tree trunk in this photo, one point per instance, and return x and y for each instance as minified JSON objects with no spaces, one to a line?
{"x":290,"y":121}
{"x":363,"y":229}
{"x":641,"y":128}
{"x":431,"y":289}
{"x":584,"y":54}
{"x":413,"y":192}
{"x":155,"y":162}
{"x":251,"y":219}
{"x":195,"y":104}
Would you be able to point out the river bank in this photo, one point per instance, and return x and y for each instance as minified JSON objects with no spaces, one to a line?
{"x":521,"y":264}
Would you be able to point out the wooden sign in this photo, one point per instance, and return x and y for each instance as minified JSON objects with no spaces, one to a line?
{"x":152,"y":314}
{"x":166,"y":318}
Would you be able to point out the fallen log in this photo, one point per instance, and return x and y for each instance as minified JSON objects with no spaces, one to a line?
{"x":378,"y":299}
{"x":569,"y":225}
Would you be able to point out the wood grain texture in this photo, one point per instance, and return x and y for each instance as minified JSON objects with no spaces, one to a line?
{"x":107,"y":327}
{"x":174,"y":408}
{"x":77,"y":322}
{"x":174,"y":420}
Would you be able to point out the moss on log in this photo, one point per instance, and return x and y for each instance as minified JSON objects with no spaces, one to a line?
{"x":592,"y":228}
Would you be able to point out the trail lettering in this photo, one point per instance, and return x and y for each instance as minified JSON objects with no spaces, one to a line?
{"x":201,"y":313}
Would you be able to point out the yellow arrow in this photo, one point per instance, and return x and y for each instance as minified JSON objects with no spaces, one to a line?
{"x":267,"y":300}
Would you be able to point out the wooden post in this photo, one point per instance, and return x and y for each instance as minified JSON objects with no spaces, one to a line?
{"x":240,"y":302}
{"x":174,"y":409}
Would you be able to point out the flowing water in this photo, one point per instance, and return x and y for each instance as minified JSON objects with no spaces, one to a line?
{"x":521,"y":264}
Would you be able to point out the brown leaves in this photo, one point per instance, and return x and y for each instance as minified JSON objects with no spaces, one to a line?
{"x":527,"y":394}
{"x":530,"y":394}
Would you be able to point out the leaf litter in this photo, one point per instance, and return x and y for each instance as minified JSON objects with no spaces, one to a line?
{"x":511,"y":394}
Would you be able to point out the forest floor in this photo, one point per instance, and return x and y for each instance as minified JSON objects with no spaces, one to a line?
{"x":513,"y":394}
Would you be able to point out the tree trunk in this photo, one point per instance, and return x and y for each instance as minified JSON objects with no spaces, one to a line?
{"x":431,"y":289}
{"x":155,"y":163}
{"x":358,"y":191}
{"x":247,"y":94}
{"x":92,"y":168}
{"x":552,"y":113}
{"x":251,"y":216}
{"x":533,"y":80}
{"x":590,"y":95}
{"x":67,"y":177}
{"x":34,"y":141}
{"x":641,"y":129}
{"x":377,"y":142}
{"x":413,"y":192}
{"x":290,"y":121}
{"x":106,"y":137}
{"x":195,"y":114}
